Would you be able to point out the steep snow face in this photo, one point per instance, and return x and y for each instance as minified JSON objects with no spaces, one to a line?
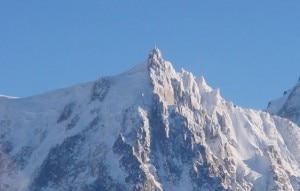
{"x":150,"y":128}
{"x":287,"y":106}
{"x":62,"y":139}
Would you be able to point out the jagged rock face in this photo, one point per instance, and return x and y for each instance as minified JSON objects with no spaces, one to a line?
{"x":288,"y":106}
{"x":150,"y":128}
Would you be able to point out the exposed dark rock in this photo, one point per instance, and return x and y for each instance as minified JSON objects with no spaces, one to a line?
{"x":100,"y":89}
{"x":73,"y":122}
{"x":66,"y":113}
{"x":21,"y":158}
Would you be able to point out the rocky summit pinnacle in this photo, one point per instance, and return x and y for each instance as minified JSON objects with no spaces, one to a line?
{"x":155,"y":53}
{"x":149,"y":129}
{"x":155,"y":56}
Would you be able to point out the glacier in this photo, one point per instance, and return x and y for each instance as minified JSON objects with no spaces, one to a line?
{"x":149,"y":128}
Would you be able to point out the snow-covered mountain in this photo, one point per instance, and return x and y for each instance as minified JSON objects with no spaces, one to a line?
{"x":287,"y":106}
{"x":150,"y":128}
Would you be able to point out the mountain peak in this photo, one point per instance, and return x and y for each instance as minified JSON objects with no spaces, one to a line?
{"x":155,"y":52}
{"x":287,"y":106}
{"x":155,"y":55}
{"x":150,"y":128}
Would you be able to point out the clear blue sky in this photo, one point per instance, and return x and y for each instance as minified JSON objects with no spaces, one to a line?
{"x":249,"y":49}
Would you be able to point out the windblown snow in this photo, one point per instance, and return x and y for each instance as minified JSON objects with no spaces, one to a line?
{"x":150,"y":128}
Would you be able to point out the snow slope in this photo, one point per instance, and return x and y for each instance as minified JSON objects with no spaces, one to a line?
{"x":150,"y":128}
{"x":287,"y":106}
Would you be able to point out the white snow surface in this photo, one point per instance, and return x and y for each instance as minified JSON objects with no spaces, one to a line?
{"x":256,"y":150}
{"x":287,"y":106}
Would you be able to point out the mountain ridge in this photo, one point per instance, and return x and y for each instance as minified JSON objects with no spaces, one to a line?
{"x":288,"y":105}
{"x":150,"y":128}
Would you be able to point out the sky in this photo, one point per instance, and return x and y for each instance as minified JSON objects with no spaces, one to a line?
{"x":247,"y":49}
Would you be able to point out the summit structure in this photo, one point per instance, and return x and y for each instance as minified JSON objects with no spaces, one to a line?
{"x":155,"y":54}
{"x":150,"y":128}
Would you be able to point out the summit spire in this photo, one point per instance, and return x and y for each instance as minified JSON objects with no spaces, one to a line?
{"x":155,"y":53}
